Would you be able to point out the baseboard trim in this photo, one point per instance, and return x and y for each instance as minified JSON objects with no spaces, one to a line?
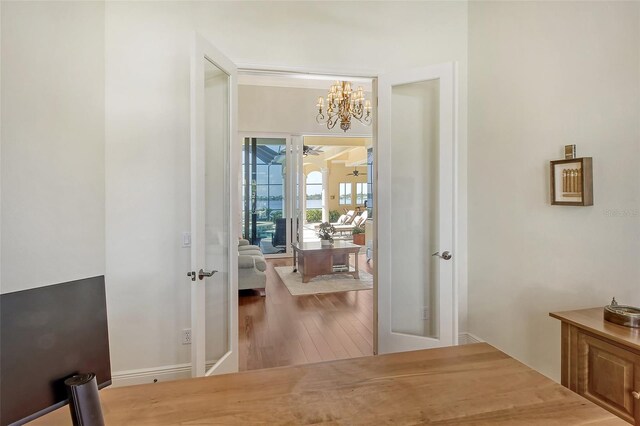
{"x":183,"y":371}
{"x":468,"y":338}
{"x":143,"y":376}
{"x":151,"y":375}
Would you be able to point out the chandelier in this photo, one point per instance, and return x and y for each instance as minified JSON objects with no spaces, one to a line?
{"x":342,"y":104}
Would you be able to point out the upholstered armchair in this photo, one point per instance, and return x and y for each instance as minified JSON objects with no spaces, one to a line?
{"x":251,"y":266}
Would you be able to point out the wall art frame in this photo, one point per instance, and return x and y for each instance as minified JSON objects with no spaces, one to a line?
{"x":572,"y":182}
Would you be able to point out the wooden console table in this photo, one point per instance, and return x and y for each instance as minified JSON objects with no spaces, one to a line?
{"x":470,"y":384}
{"x":601,"y":361}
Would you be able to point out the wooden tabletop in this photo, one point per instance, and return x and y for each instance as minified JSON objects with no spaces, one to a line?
{"x":470,"y":384}
{"x":311,"y":246}
{"x":593,"y":320}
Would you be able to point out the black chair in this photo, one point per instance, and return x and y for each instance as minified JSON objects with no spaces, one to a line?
{"x":279,"y":238}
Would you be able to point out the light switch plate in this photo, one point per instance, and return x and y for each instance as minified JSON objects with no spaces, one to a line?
{"x":186,"y":239}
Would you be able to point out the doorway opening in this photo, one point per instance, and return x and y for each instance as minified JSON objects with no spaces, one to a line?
{"x":297,"y":174}
{"x":412,"y":291}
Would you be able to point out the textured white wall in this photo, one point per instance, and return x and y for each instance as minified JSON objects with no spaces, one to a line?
{"x":147,"y":127}
{"x":52,"y":143}
{"x":543,"y":75}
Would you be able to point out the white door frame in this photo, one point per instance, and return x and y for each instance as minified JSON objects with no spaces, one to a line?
{"x":390,"y":341}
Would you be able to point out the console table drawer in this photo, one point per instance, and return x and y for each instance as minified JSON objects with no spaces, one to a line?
{"x":608,"y":375}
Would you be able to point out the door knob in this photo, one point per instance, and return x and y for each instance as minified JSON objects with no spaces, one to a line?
{"x":202,"y":274}
{"x":636,"y":394}
{"x":445,"y":255}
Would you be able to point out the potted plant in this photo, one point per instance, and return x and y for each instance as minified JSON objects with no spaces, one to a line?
{"x":358,"y":235}
{"x":325,"y":233}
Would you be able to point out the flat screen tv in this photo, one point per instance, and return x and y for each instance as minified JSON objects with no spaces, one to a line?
{"x":48,"y":334}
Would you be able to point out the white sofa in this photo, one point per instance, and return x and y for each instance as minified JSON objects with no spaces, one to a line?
{"x":251,"y":266}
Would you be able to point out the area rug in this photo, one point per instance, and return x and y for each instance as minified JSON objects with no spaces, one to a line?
{"x":323,"y":283}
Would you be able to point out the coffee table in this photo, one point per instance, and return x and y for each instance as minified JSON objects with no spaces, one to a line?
{"x":313,"y":259}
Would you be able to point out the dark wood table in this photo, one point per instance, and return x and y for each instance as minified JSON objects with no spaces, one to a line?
{"x":458,"y":385}
{"x":313,"y":259}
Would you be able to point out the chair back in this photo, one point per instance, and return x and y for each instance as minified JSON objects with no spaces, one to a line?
{"x":280,"y":235}
{"x":351,"y":214}
{"x":359,"y":221}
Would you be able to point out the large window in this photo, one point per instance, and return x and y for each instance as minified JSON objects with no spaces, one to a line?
{"x":345,"y":193}
{"x":314,"y":190}
{"x":269,"y":182}
{"x":263,"y":177}
{"x":361,"y":193}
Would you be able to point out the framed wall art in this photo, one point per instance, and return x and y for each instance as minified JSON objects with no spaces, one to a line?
{"x":572,"y":182}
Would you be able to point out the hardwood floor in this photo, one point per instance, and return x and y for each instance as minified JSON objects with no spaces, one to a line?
{"x":281,"y":329}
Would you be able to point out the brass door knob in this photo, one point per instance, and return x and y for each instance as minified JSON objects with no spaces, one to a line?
{"x":636,"y":394}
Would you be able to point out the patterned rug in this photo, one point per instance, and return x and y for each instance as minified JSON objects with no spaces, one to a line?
{"x":333,"y":283}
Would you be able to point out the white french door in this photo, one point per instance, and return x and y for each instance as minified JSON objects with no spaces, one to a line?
{"x":214,"y":223}
{"x":415,"y":216}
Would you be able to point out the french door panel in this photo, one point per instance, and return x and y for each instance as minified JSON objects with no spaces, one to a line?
{"x":416,"y":123}
{"x":268,"y":192}
{"x":298,"y":188}
{"x":214,"y":225}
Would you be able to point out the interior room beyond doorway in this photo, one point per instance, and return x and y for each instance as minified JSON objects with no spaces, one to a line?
{"x":298,"y":172}
{"x":338,"y":181}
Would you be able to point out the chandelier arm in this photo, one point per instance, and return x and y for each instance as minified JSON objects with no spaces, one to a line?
{"x":366,"y":120}
{"x":332,"y":120}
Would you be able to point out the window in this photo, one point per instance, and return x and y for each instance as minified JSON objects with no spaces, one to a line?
{"x":268,"y":182}
{"x":361,"y":193}
{"x":314,"y":190}
{"x":345,"y":193}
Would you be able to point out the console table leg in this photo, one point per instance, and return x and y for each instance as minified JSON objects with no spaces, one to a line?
{"x":356,"y":275}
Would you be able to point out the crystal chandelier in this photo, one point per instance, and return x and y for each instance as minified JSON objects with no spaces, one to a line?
{"x":342,"y":104}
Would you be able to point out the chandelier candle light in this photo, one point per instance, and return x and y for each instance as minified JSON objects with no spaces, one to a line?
{"x":344,"y":103}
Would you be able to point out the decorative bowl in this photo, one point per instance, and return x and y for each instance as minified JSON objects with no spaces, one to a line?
{"x":628,"y":316}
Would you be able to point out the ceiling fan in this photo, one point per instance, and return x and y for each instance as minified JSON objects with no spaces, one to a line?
{"x":311,"y":150}
{"x":356,"y":173}
{"x":280,"y":156}
{"x":306,"y":150}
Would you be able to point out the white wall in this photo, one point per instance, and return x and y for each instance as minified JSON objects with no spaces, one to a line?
{"x":52,"y":143}
{"x":287,"y":110}
{"x":543,"y":75}
{"x":147,"y":127}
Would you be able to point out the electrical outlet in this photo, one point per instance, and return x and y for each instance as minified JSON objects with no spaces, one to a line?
{"x":186,"y":336}
{"x":425,"y":313}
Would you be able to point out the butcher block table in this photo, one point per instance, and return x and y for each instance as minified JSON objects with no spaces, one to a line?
{"x":471,"y":384}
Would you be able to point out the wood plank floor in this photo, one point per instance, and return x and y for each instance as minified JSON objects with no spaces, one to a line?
{"x":281,"y":329}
